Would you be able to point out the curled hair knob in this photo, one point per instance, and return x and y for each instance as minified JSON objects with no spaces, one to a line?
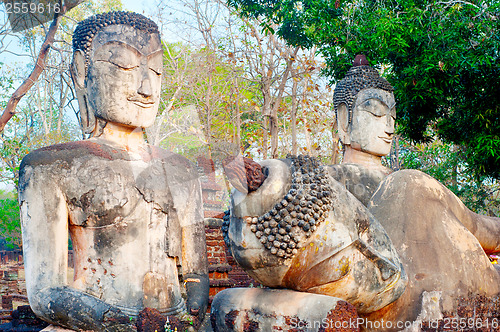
{"x":360,"y":60}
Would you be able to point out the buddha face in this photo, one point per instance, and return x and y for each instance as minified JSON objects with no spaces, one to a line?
{"x":372,"y":127}
{"x":124,"y":76}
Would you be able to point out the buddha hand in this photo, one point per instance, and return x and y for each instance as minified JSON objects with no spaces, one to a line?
{"x":197,"y":287}
{"x":244,"y":174}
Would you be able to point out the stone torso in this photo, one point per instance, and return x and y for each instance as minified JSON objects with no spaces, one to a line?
{"x":361,"y":181}
{"x":122,"y":218}
{"x":340,"y":259}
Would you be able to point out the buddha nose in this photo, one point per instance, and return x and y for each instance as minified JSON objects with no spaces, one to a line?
{"x":389,"y":127}
{"x":145,"y":88}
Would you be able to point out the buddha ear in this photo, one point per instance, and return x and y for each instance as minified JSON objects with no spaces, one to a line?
{"x":78,"y":69}
{"x":343,"y":124}
{"x":78,"y":75}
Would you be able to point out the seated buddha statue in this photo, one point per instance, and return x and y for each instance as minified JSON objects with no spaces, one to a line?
{"x":380,"y":241}
{"x":133,"y":211}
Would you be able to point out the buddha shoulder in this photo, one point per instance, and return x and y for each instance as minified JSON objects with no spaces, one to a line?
{"x":175,"y":164}
{"x":64,"y":154}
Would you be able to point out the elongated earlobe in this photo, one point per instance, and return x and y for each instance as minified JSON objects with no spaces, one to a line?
{"x":343,"y":124}
{"x":78,"y":74}
{"x":78,"y":69}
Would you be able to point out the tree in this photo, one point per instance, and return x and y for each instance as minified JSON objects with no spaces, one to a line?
{"x":441,"y":57}
{"x":248,"y":77}
{"x":10,"y":226}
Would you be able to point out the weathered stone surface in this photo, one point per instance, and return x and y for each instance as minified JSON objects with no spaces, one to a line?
{"x":151,"y":320}
{"x":348,"y":256}
{"x":133,"y":211}
{"x":23,"y":319}
{"x":478,"y":313}
{"x":256,"y":309}
{"x":439,"y":253}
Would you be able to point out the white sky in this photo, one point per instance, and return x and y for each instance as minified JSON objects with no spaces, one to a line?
{"x":138,"y":6}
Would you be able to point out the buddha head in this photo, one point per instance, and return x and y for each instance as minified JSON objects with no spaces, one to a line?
{"x":365,"y":108}
{"x":116,"y":70}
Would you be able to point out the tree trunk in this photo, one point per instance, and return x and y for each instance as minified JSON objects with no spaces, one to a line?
{"x":335,"y":145}
{"x":454,"y":171}
{"x":237,"y":118}
{"x":273,"y":126}
{"x":10,"y":110}
{"x":293,"y":115}
{"x":264,"y":136}
{"x":277,"y":102}
{"x":308,"y":138}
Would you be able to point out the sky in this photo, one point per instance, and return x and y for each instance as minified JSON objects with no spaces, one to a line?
{"x":138,"y":6}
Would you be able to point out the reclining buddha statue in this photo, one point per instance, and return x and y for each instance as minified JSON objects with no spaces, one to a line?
{"x":389,"y":244}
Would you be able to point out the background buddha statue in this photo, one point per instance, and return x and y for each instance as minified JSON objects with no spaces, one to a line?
{"x":442,"y":244}
{"x":133,"y":211}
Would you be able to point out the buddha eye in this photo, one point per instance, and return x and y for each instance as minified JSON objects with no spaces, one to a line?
{"x":124,"y":60}
{"x":374,"y":107}
{"x":156,"y":71}
{"x":122,"y":65}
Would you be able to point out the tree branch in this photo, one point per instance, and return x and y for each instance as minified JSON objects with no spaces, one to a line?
{"x":10,"y":109}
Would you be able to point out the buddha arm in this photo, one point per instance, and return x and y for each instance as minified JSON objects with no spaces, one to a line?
{"x":194,"y":257}
{"x":189,"y":206}
{"x":63,"y":305}
{"x":486,"y":229}
{"x":44,"y":219}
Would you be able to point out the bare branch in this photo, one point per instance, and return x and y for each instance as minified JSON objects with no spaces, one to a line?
{"x":10,"y":110}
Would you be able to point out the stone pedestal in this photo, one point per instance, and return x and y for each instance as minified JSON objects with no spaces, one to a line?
{"x":257,"y":309}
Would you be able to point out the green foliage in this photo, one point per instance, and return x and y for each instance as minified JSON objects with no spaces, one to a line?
{"x":201,"y":95}
{"x":441,"y":57}
{"x":10,"y":226}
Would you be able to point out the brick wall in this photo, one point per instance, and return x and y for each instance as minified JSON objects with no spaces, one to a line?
{"x":224,"y":272}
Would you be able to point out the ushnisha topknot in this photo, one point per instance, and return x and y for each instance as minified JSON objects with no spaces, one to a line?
{"x":360,"y":76}
{"x":88,"y":28}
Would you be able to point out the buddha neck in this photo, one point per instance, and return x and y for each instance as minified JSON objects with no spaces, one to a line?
{"x":130,"y":138}
{"x":353,"y":156}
